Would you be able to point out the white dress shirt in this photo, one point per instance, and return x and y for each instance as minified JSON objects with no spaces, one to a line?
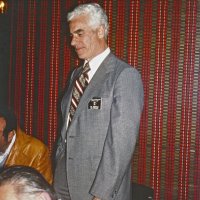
{"x":96,"y":62}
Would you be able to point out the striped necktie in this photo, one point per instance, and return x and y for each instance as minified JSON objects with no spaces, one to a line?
{"x":78,"y":89}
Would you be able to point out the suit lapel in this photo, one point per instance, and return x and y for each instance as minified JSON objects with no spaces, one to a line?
{"x":67,"y":100}
{"x":67,"y":97}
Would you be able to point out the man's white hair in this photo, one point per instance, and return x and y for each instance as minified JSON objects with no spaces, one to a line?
{"x":26,"y":183}
{"x":97,"y":15}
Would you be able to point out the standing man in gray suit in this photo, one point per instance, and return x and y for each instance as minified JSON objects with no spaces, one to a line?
{"x":100,"y":121}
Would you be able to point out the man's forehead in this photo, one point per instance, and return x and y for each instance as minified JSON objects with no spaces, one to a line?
{"x":76,"y":25}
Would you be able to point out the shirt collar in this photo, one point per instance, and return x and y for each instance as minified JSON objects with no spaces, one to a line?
{"x":96,"y":61}
{"x":8,"y":148}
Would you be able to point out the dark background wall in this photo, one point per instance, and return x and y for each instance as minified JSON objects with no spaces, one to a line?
{"x":158,"y":37}
{"x":4,"y":56}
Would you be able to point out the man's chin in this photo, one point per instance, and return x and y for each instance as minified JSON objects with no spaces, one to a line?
{"x":81,"y":56}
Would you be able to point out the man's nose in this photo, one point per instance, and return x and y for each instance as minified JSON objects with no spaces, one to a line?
{"x":73,"y":41}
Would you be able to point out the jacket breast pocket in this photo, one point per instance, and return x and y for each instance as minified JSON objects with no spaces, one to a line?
{"x":98,"y":111}
{"x":99,"y":103}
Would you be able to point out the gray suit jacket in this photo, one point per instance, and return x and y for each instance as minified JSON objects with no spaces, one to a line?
{"x":101,"y":139}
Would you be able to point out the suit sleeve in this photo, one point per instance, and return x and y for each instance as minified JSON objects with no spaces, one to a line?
{"x":121,"y":135}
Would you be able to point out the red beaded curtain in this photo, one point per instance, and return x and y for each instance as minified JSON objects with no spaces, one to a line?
{"x":161,"y":38}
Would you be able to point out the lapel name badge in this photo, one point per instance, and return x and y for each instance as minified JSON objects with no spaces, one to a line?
{"x":95,"y":103}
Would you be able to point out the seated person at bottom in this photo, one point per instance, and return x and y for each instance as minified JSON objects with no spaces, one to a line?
{"x":18,"y":148}
{"x":24,"y":183}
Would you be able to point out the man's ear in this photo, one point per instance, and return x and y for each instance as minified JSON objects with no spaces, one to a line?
{"x":101,"y":32}
{"x":44,"y":196}
{"x":10,"y":136}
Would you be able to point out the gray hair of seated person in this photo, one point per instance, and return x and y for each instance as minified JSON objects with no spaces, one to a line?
{"x":26,"y":182}
{"x":97,"y":15}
